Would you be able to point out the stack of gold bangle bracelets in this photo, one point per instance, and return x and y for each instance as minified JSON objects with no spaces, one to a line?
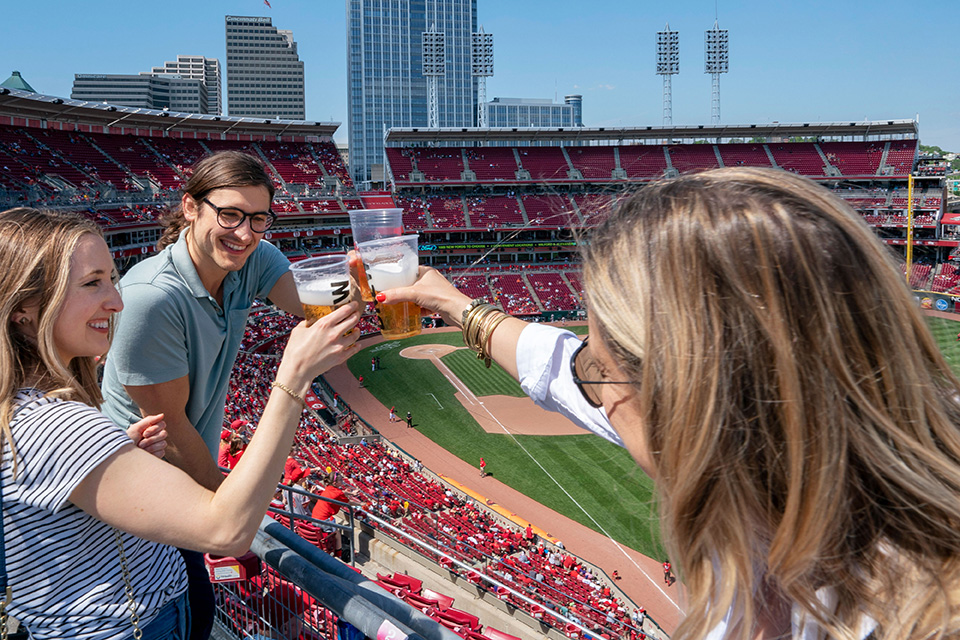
{"x":479,"y":321}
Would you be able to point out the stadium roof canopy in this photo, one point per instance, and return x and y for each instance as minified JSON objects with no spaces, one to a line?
{"x":31,"y":106}
{"x":864,"y":130}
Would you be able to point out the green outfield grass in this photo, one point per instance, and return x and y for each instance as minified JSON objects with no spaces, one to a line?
{"x":600,"y":476}
{"x":945,"y":331}
{"x":482,"y":381}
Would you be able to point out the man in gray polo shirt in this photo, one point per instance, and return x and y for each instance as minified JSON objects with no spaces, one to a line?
{"x":184,"y":315}
{"x":185,"y":309}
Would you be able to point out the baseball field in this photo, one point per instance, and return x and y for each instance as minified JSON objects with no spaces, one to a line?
{"x":581,"y":476}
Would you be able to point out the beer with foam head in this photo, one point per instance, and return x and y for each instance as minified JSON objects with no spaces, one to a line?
{"x":400,"y":320}
{"x":392,"y":263}
{"x":320,"y":297}
{"x":323,"y":284}
{"x":373,"y":224}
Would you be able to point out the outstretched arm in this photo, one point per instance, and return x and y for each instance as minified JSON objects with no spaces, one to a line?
{"x":138,"y":493}
{"x":436,"y":294}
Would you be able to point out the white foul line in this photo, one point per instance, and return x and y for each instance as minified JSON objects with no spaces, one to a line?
{"x":460,"y":386}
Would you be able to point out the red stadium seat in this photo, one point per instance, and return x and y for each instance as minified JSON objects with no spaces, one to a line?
{"x":410,"y":584}
{"x":495,"y":634}
{"x":444,"y":601}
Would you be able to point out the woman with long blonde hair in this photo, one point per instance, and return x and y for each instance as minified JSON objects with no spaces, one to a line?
{"x":756,"y":350}
{"x":87,"y":515}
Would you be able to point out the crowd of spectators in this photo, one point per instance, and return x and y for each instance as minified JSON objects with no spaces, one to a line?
{"x":384,"y":485}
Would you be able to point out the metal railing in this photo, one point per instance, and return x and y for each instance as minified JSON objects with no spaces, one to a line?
{"x":302,"y":592}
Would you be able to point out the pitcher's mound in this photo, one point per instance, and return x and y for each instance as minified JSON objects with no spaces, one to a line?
{"x":497,"y":414}
{"x":427,"y":351}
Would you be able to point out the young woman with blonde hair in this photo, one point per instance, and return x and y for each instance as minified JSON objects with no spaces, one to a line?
{"x":756,"y":350}
{"x":86,"y":514}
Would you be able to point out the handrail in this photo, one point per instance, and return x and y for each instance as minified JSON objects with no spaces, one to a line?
{"x":346,"y":593}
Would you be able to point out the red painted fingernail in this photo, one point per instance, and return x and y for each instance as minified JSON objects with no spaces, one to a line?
{"x":381,"y":297}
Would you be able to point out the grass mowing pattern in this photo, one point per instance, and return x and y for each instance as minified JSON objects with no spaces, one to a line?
{"x":601,"y":476}
{"x":482,"y":381}
{"x":945,"y":332}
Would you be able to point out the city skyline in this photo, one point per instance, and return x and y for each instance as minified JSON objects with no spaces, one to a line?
{"x":816,"y":62}
{"x":390,"y":83}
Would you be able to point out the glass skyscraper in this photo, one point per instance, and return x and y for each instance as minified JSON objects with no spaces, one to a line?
{"x":385,"y":71}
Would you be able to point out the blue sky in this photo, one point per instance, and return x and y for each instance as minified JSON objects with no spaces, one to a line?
{"x":790,"y":61}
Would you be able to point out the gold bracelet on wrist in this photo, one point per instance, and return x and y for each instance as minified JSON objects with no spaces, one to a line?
{"x":471,"y":330}
{"x":480,"y":319}
{"x":290,"y":392}
{"x":488,"y":334}
{"x":476,"y":302}
{"x":469,"y":313}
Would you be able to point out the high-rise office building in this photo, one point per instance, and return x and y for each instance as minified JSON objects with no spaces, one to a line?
{"x":145,"y":90}
{"x":264,"y":71}
{"x":386,"y":83}
{"x":198,"y":68}
{"x":527,"y":112}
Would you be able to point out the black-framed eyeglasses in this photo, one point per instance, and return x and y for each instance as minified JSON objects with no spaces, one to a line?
{"x":586,"y":373}
{"x":231,"y":218}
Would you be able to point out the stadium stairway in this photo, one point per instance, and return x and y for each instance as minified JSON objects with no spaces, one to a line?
{"x":716,"y":152}
{"x":533,"y":292}
{"x":522,"y":173}
{"x":277,"y":177}
{"x":572,"y":172}
{"x":830,"y":170}
{"x":883,"y":158}
{"x":141,"y":182}
{"x":773,"y":161}
{"x":576,"y":291}
{"x":385,"y":556}
{"x":466,"y":213}
{"x":523,"y":211}
{"x":316,"y":158}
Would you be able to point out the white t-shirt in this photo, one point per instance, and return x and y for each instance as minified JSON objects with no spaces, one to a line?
{"x":296,"y":503}
{"x":62,"y":564}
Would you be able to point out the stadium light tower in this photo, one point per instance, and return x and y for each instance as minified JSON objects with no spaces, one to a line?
{"x":716,"y":52}
{"x":668,"y":65}
{"x":481,"y":67}
{"x":434,"y":67}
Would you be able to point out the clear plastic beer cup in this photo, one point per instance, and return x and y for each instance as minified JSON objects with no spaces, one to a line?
{"x":392,"y":263}
{"x":373,"y":224}
{"x":323,"y":284}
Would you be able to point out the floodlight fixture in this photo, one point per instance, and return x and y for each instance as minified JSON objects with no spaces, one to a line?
{"x":668,"y":65}
{"x":434,"y":55}
{"x":716,"y":60}
{"x":481,"y":67}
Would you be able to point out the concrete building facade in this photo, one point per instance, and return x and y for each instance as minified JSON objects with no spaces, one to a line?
{"x":264,"y":70}
{"x":198,"y":68}
{"x":146,"y":90}
{"x":532,"y":112}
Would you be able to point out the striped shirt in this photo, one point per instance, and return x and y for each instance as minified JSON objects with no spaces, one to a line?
{"x":62,"y":564}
